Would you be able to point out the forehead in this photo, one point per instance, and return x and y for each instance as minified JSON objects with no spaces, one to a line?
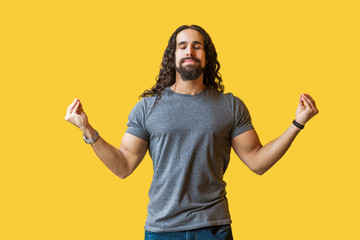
{"x":189,"y":35}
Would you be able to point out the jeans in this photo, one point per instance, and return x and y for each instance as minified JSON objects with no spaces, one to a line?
{"x":208,"y":233}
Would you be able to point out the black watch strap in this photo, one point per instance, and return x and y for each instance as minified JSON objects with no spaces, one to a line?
{"x":298,"y":124}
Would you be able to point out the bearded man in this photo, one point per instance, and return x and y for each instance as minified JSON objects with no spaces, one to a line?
{"x":189,"y":125}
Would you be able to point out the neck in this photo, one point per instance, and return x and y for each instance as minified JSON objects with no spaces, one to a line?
{"x":190,"y":87}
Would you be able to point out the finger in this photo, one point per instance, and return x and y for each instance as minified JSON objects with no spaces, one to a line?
{"x":307,"y":99}
{"x":312,"y":100}
{"x":76,"y":108}
{"x":308,"y":95}
{"x":301,"y":102}
{"x":72,"y":105}
{"x":80,"y":108}
{"x":306,"y":103}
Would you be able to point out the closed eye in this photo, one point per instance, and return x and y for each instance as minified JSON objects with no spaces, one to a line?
{"x":197,"y":46}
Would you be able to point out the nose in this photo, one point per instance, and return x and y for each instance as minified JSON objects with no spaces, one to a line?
{"x":190,"y":52}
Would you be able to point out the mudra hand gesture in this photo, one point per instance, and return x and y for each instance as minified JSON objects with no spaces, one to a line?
{"x":306,"y":109}
{"x":75,"y":114}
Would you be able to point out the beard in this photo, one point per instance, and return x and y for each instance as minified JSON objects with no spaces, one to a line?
{"x":190,"y":71}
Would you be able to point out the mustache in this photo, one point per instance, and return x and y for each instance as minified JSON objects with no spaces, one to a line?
{"x":191,"y":58}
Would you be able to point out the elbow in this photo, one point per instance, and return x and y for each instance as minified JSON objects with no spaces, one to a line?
{"x":259,"y":170}
{"x":123,"y":171}
{"x":258,"y":167}
{"x":122,"y":174}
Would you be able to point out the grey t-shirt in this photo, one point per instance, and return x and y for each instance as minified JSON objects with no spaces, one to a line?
{"x":189,"y":142}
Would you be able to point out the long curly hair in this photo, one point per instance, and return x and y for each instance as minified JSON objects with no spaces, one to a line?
{"x":166,"y":78}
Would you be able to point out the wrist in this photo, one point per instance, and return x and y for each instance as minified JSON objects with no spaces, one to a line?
{"x":93,"y":139}
{"x":300,"y":126}
{"x":88,"y":130}
{"x":300,"y":121}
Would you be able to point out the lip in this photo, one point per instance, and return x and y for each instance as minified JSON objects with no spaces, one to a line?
{"x":189,"y":61}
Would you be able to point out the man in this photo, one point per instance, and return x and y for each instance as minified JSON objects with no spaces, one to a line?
{"x":189,"y":126}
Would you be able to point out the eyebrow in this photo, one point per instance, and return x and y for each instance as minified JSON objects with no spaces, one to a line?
{"x":195,"y":42}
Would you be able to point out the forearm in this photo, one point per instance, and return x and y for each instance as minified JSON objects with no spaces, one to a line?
{"x":122,"y":161}
{"x":269,"y":154}
{"x":112,"y":157}
{"x":261,"y":158}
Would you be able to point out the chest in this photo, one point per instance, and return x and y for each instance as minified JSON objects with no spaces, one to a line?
{"x":191,"y":117}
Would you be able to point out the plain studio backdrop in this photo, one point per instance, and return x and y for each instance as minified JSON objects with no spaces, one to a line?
{"x":106,"y":53}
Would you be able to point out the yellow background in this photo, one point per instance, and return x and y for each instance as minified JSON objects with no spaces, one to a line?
{"x":106,"y":53}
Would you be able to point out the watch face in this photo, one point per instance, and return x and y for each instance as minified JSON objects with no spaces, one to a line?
{"x":93,"y":139}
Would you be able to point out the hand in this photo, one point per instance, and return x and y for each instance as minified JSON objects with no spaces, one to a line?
{"x":306,"y":109}
{"x":75,"y":114}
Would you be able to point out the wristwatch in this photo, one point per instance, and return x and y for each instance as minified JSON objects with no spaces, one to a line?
{"x":93,"y":139}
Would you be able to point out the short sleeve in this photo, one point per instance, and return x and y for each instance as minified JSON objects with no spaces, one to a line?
{"x":136,"y":122}
{"x":242,"y":118}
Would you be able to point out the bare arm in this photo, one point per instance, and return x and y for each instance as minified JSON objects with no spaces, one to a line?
{"x":261,"y":158}
{"x":122,"y":161}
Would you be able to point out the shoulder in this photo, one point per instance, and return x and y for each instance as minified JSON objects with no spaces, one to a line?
{"x":143,"y":106}
{"x":146,"y":102}
{"x":230,"y":99}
